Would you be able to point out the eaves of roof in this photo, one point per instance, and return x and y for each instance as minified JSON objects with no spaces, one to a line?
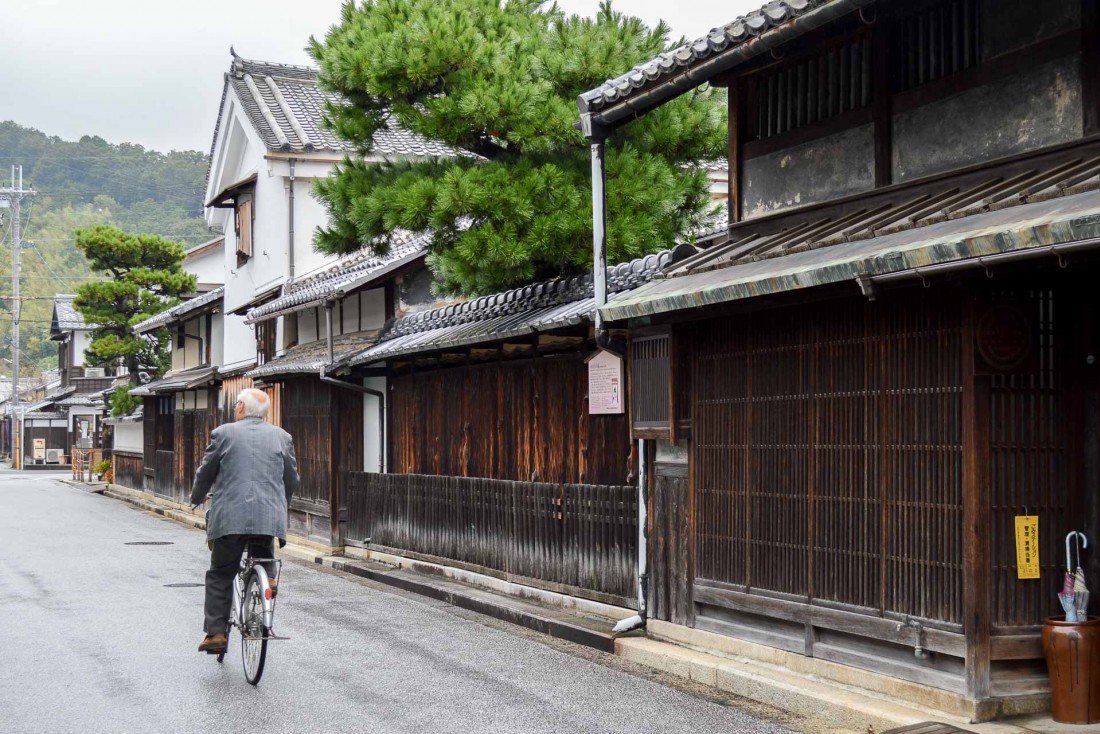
{"x":341,"y":279}
{"x":190,"y":307}
{"x":311,"y":357}
{"x":674,"y":72}
{"x":527,"y":310}
{"x":174,"y":382}
{"x":1058,"y":221}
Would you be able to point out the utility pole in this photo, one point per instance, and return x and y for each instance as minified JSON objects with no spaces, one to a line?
{"x":13,"y":197}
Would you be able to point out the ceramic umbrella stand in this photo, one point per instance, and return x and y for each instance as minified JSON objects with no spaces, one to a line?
{"x":1071,"y":644}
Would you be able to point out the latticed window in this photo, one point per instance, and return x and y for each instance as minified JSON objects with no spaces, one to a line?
{"x":649,"y":383}
{"x":936,"y":42}
{"x":803,"y":91}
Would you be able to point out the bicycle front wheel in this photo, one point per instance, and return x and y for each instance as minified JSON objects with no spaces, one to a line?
{"x":254,"y":634}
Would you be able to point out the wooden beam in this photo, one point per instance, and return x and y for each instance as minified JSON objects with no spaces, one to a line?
{"x":977,"y":515}
{"x":735,"y":141}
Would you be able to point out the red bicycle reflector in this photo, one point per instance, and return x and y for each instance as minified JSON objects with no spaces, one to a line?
{"x":268,"y":594}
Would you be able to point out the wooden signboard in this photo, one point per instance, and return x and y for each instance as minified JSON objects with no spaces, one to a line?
{"x":39,"y":448}
{"x":605,"y":384}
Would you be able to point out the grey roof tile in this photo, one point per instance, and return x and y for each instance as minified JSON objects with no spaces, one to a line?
{"x":180,"y":310}
{"x":682,"y":58}
{"x":310,"y":357}
{"x":345,"y":276}
{"x":65,"y":316}
{"x":530,"y":309}
{"x":286,"y":105}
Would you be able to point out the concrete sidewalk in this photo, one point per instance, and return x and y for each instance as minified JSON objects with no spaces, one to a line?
{"x":834,"y":701}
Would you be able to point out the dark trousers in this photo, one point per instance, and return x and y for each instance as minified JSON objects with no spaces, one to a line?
{"x":225,"y":562}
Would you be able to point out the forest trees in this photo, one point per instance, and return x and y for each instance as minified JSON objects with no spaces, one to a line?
{"x":145,"y":277}
{"x":499,"y":81}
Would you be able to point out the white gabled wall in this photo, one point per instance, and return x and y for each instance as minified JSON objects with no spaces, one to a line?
{"x":239,"y":153}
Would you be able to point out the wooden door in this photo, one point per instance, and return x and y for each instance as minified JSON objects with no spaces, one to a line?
{"x":670,"y":544}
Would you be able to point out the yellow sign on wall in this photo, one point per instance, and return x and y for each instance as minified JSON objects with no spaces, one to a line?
{"x":1027,"y":546}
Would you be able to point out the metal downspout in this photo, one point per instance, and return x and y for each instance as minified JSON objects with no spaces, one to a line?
{"x":638,"y":621}
{"x":381,"y":396}
{"x":599,"y":238}
{"x":290,"y":227}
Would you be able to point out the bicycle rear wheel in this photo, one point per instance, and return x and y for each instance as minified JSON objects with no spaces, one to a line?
{"x":253,"y":633}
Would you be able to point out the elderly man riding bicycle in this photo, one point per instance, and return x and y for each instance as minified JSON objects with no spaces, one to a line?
{"x":250,"y":471}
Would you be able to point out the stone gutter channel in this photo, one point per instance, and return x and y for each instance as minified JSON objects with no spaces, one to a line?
{"x":835,"y":700}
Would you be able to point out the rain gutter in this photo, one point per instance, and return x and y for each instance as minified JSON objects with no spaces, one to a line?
{"x":984,"y":262}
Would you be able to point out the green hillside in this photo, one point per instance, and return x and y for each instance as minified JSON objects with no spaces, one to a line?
{"x":81,"y":183}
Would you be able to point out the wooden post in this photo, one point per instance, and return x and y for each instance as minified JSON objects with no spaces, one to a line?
{"x":736,"y":128}
{"x":977,"y":515}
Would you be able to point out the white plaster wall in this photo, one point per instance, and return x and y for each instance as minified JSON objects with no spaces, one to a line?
{"x":372,"y":436}
{"x":309,"y":327}
{"x":129,"y":437}
{"x":239,"y":341}
{"x":209,"y":267}
{"x":373,"y":303}
{"x":81,"y":340}
{"x":217,"y":336}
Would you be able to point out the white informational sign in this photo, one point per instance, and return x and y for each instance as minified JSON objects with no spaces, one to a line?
{"x":606,"y":386}
{"x":40,"y":448}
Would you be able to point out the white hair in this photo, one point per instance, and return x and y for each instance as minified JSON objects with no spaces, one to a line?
{"x":256,"y":402}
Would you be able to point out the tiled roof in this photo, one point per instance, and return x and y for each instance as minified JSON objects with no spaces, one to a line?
{"x":180,"y":310}
{"x":285,"y":105}
{"x":65,"y":317}
{"x":343,"y":277}
{"x":309,"y":358}
{"x":871,"y":216}
{"x":1050,"y":228}
{"x":176,"y":381}
{"x":530,"y":309}
{"x":86,"y":399}
{"x":716,"y":42}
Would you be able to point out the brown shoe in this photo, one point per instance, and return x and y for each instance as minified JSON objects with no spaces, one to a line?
{"x":213,"y":644}
{"x":274,"y":586}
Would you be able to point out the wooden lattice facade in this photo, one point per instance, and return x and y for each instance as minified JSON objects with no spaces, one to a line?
{"x":850,"y":470}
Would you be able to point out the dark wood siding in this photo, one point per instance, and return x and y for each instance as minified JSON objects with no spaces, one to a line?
{"x":326,"y":423}
{"x":129,"y":469}
{"x":526,"y":420}
{"x":828,"y":455}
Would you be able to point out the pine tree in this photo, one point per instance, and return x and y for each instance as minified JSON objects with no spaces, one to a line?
{"x":500,"y":80}
{"x":146,"y":277}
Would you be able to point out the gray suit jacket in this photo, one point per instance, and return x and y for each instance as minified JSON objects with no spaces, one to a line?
{"x":250,"y":467}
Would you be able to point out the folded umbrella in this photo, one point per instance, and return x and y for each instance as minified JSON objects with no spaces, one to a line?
{"x":1080,"y":595}
{"x":1069,"y":605}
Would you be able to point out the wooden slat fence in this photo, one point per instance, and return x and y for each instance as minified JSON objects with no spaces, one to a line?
{"x":128,"y":469}
{"x":583,"y":536}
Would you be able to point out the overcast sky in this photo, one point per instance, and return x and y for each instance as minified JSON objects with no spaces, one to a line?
{"x":150,"y":72}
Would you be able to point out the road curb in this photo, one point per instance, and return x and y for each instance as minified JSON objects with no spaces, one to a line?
{"x":484,"y":602}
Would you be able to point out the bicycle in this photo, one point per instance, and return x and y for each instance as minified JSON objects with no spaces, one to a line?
{"x":253,"y":614}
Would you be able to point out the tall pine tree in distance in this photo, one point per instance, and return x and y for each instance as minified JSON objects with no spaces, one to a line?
{"x":499,"y":79}
{"x":146,"y":276}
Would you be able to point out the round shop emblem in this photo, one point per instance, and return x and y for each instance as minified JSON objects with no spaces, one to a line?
{"x":1004,"y":337}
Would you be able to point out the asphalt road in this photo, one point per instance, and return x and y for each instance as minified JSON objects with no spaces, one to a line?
{"x":93,"y":641}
